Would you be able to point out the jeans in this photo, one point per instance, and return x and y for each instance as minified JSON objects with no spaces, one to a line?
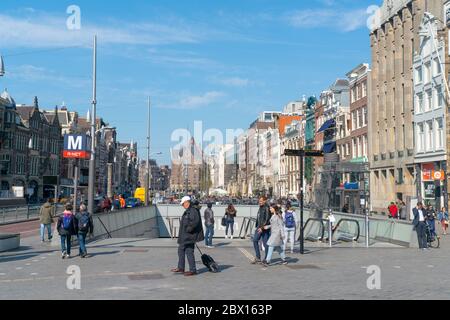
{"x":290,"y":235}
{"x":82,"y":243}
{"x":230,"y":224}
{"x":66,"y":240}
{"x":264,"y":236}
{"x":209,"y":234}
{"x":49,"y":231}
{"x":279,"y":249}
{"x":421,"y":235}
{"x":183,"y":251}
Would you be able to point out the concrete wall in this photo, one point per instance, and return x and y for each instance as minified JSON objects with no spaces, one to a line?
{"x":9,"y":242}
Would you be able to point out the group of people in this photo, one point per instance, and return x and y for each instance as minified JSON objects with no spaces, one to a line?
{"x":68,"y":225}
{"x":397,"y":210}
{"x":274,"y":229}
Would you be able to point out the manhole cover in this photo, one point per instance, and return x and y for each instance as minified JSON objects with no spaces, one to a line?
{"x":155,"y":276}
{"x":302,"y":266}
{"x":136,"y":250}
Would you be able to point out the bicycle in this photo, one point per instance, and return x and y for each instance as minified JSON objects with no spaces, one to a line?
{"x":433,"y":240}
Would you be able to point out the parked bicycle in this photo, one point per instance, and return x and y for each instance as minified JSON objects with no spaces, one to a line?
{"x":433,"y":240}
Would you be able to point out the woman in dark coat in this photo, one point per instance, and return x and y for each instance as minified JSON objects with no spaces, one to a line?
{"x":230,"y":214}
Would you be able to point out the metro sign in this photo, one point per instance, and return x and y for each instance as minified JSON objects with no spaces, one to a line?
{"x":76,"y":146}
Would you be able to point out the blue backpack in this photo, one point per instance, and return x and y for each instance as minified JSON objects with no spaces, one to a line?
{"x":289,"y":220}
{"x":67,"y":222}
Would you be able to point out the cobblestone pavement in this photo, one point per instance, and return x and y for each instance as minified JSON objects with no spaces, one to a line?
{"x":140,"y":269}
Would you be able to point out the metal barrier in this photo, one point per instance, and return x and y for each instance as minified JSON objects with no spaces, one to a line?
{"x":321,"y":233}
{"x":173,"y":227}
{"x":13,"y":214}
{"x":344,"y":237}
{"x":246,"y":224}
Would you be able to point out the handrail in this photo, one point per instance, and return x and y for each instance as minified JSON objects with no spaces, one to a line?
{"x":322,"y":228}
{"x":242,"y":227}
{"x":109,"y":235}
{"x":349,"y":220}
{"x":247,"y":226}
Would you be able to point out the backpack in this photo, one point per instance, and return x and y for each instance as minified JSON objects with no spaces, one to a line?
{"x":83,"y":223}
{"x":67,"y":222}
{"x":289,"y":220}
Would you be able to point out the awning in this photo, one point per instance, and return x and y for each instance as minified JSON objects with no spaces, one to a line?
{"x":329,"y":147}
{"x":328,"y":124}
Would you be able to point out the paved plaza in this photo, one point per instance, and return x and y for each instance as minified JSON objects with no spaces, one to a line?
{"x":140,"y":269}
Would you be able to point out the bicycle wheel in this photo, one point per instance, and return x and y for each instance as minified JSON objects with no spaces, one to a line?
{"x":434,"y":244}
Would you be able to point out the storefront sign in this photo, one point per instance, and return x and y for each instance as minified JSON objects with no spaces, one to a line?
{"x":429,"y":188}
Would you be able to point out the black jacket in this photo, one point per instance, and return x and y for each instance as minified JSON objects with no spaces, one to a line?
{"x":263,"y":217}
{"x":191,"y":229}
{"x":91,"y":223}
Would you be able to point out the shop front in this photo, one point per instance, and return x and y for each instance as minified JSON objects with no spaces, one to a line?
{"x":432,"y":184}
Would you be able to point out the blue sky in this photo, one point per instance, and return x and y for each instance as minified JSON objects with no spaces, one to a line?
{"x":219,"y":61}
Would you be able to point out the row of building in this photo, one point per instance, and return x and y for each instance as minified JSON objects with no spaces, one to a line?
{"x":31,"y":158}
{"x":382,"y":126}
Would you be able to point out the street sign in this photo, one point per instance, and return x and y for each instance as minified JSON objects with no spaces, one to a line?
{"x":303,"y":153}
{"x":76,"y":146}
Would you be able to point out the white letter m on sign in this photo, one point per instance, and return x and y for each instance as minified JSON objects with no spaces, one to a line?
{"x":75,"y":144}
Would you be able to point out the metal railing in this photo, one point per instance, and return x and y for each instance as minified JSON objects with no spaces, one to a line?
{"x":346,"y":236}
{"x":12,"y":214}
{"x":246,"y":225}
{"x":321,"y":232}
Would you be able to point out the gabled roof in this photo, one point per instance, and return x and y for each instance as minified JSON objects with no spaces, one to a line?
{"x":25,"y":112}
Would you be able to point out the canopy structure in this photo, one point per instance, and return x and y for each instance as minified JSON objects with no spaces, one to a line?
{"x":219,"y":192}
{"x":327,"y":125}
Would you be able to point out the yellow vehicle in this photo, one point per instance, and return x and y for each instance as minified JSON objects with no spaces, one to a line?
{"x":140,"y":194}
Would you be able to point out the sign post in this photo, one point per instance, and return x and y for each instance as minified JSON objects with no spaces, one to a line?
{"x":302,"y":154}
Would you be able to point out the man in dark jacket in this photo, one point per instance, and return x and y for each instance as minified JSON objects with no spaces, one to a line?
{"x":46,"y":214}
{"x":419,"y":224}
{"x":85,"y":226}
{"x":209,"y":224}
{"x":262,"y":220}
{"x":191,"y":232}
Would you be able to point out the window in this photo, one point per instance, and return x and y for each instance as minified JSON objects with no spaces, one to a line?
{"x":429,"y":146}
{"x":365,"y":117}
{"x":439,"y":97}
{"x":360,"y":118}
{"x":427,"y":72}
{"x":419,"y":103}
{"x":354,"y":148}
{"x":429,"y":101}
{"x":365,"y":146}
{"x":354,"y":120}
{"x":436,"y":67}
{"x":421,"y":138}
{"x":419,"y":75}
{"x":439,"y":134}
{"x":364,"y":89}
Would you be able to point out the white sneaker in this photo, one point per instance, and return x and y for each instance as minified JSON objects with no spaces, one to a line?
{"x":226,"y":236}
{"x":231,"y":237}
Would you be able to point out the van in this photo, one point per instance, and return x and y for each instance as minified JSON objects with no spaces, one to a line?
{"x":140,"y":194}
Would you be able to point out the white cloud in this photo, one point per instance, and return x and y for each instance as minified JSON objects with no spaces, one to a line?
{"x":188,"y":102}
{"x":234,"y":82}
{"x":343,"y":20}
{"x":47,"y":31}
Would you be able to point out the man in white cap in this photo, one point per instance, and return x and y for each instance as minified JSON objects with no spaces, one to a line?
{"x":191,"y":232}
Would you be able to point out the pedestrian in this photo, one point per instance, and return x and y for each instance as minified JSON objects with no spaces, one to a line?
{"x":261,"y":233}
{"x":345,"y":208}
{"x":443,"y":219}
{"x":85,"y":226}
{"x":122,"y":202}
{"x":277,"y":235}
{"x":420,"y":225}
{"x":209,"y":225}
{"x":290,"y":224}
{"x":191,"y":232}
{"x":46,"y":215}
{"x":230,"y":214}
{"x":393,"y":210}
{"x":431,"y":221}
{"x":67,"y":227}
{"x":402,"y":210}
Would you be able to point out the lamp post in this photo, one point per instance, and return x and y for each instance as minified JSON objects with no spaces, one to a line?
{"x":91,"y":185}
{"x":147,"y":175}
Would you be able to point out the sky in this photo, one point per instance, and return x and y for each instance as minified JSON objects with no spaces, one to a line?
{"x":221,"y":62}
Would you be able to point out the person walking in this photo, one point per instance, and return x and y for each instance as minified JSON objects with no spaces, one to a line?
{"x":67,"y":227}
{"x":46,"y":215}
{"x":290,"y":224}
{"x":191,"y":232}
{"x":420,"y":225}
{"x":230,"y":214}
{"x":261,"y":233}
{"x":209,"y":225}
{"x":122,"y":202}
{"x":85,"y":226}
{"x":443,"y":219}
{"x":393,"y":210}
{"x":402,"y":209}
{"x":277,"y":236}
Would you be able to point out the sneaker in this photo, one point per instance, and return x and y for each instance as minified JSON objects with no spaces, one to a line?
{"x":63,"y":255}
{"x":177,"y":270}
{"x":256,"y":261}
{"x":231,"y":237}
{"x":68,"y":256}
{"x":50,"y":238}
{"x":226,"y":236}
{"x":190,"y":274}
{"x":210,"y":247}
{"x":265,"y":264}
{"x":284,"y":262}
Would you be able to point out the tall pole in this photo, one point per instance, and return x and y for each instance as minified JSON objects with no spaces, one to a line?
{"x":91,"y":186}
{"x":75,"y":187}
{"x":302,"y":240}
{"x":147,"y":175}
